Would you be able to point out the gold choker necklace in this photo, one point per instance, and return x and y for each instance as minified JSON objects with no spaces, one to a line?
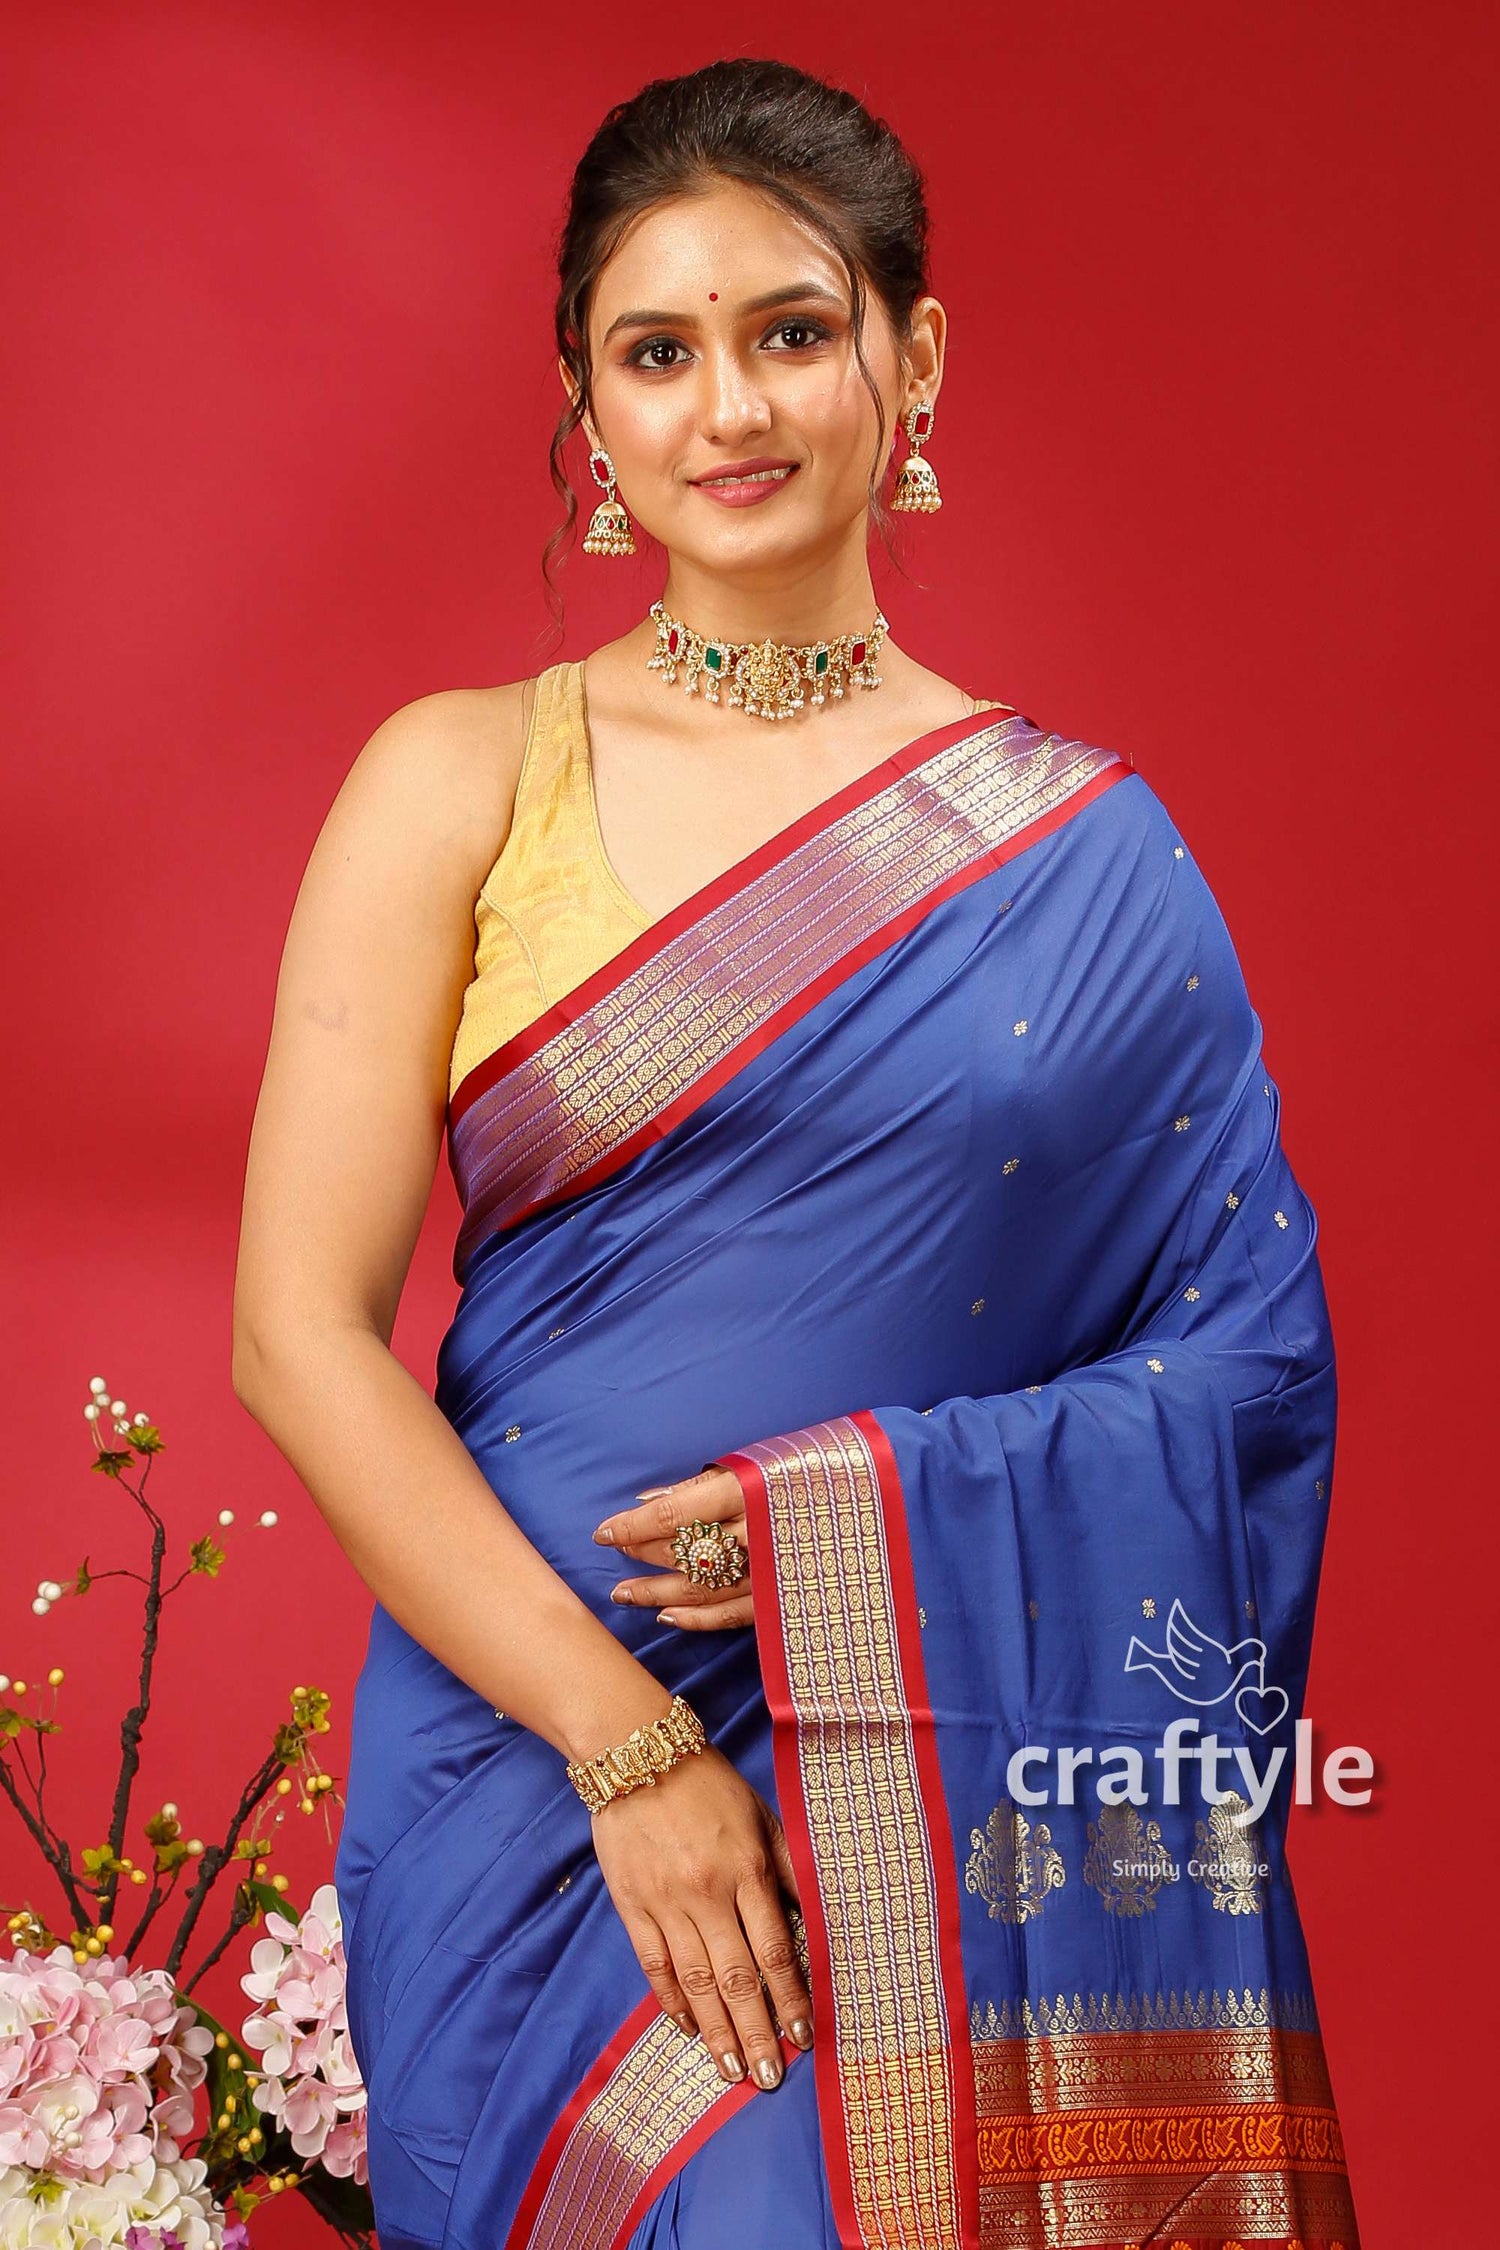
{"x":766,"y":677}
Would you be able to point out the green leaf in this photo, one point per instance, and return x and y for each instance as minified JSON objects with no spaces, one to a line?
{"x":110,"y":1464}
{"x":207,"y":1556}
{"x":270,"y":1900}
{"x":83,"y":1581}
{"x":146,"y":1439}
{"x":224,"y":2077}
{"x":343,"y":2203}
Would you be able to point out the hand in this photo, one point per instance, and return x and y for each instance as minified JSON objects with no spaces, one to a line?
{"x":647,"y":1532}
{"x":693,"y":1865}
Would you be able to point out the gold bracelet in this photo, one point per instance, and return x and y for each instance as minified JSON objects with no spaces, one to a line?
{"x":651,"y":1750}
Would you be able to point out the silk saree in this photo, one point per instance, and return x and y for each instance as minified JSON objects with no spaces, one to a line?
{"x":925,"y":1171}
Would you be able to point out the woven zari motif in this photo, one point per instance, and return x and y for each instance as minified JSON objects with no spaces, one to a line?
{"x":898,"y":2053}
{"x":658,"y":2090}
{"x":637,"y":1052}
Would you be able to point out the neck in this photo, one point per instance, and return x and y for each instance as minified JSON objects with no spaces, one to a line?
{"x":815,"y":603}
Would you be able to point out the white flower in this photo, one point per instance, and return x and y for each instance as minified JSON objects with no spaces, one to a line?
{"x":43,"y":2212}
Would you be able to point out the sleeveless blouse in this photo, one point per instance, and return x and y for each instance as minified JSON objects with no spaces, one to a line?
{"x":551,"y":910}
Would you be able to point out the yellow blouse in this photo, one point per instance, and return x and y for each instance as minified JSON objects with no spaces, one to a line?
{"x":551,"y":910}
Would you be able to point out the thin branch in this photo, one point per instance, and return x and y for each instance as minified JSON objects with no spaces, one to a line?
{"x":160,"y":1893}
{"x":243,"y":1911}
{"x":217,"y":1856}
{"x":133,"y":1723}
{"x":56,"y":1857}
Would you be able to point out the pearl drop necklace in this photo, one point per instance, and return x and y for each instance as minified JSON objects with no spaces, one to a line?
{"x":767,"y":678}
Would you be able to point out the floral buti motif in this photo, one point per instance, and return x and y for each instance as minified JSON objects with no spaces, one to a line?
{"x":1126,"y":1862}
{"x":1012,"y":1866}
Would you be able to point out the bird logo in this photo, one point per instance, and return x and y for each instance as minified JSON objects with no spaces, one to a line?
{"x":1199,"y":1669}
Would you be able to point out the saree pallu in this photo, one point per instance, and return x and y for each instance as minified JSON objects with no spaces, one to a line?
{"x":924,"y":1171}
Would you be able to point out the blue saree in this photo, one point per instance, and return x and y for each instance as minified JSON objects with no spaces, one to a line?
{"x":924,"y":1171}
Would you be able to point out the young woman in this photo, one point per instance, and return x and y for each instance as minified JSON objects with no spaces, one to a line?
{"x":891,"y":1380}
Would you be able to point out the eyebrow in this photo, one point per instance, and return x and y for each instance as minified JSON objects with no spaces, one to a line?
{"x":796,"y":292}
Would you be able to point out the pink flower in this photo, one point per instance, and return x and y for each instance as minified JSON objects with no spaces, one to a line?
{"x":97,"y":2064}
{"x":310,"y":2084}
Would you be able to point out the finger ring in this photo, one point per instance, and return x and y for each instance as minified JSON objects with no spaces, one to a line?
{"x":708,"y":1555}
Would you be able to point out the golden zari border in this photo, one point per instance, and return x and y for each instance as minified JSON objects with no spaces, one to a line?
{"x":1239,"y":2210}
{"x":645,"y":1043}
{"x":896,"y":2136}
{"x":663,"y":2086}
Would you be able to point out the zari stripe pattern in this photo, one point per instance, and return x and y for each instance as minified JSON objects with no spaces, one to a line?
{"x":857,"y":1797}
{"x":1179,"y":2119}
{"x":1212,"y":2135}
{"x":635,"y":2121}
{"x":636,"y":1047}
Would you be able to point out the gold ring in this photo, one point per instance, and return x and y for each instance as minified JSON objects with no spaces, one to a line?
{"x":708,"y":1555}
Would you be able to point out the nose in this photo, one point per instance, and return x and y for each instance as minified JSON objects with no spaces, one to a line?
{"x":733,"y":405}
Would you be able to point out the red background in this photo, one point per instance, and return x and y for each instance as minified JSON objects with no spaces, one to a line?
{"x":1220,"y":489}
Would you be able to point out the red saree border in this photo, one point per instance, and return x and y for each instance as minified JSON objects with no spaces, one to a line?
{"x":649,"y":2100}
{"x":642,"y":1044}
{"x":1212,"y":2128}
{"x":930,"y":2092}
{"x":658,"y":935}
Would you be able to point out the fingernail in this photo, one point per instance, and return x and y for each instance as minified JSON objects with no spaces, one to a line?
{"x":665,"y":1617}
{"x":653,"y":1492}
{"x":802,"y":2031}
{"x":605,"y":1536}
{"x":620,"y":1594}
{"x":733,"y":2066}
{"x":768,"y":2072}
{"x":685,"y":2023}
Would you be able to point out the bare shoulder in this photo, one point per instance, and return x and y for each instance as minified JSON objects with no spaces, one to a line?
{"x":439,"y":776}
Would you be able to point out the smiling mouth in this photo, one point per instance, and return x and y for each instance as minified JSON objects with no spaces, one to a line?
{"x":756,"y":476}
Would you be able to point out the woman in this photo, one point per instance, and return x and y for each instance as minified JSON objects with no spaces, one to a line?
{"x":891,"y":1352}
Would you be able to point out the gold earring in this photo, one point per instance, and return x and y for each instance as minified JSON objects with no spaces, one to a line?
{"x":917,"y":486}
{"x":609,"y":530}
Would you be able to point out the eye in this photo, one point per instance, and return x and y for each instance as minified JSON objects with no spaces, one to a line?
{"x":637,"y":357}
{"x":815,"y":330}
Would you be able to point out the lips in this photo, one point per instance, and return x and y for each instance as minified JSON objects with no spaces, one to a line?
{"x":763,"y":471}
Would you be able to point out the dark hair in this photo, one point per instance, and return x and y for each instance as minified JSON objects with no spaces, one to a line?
{"x":812,"y":147}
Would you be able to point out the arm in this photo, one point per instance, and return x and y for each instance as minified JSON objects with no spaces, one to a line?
{"x":346,"y":1138}
{"x":347,"y":1132}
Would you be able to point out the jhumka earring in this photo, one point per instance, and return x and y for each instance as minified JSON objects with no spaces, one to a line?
{"x":917,"y":486}
{"x":609,"y":530}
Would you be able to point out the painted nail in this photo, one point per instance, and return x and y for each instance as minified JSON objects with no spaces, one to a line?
{"x":665,"y":1617}
{"x":802,"y":2031}
{"x":685,"y":2023}
{"x":620,"y":1594}
{"x":733,"y":2066}
{"x":604,"y":1535}
{"x":768,"y":2072}
{"x":653,"y":1492}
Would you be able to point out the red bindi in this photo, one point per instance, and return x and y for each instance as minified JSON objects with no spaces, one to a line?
{"x":713,"y":296}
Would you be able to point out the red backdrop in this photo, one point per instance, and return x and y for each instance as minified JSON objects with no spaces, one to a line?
{"x":1220,"y":489}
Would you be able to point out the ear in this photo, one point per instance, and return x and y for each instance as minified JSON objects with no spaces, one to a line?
{"x":571,"y":387}
{"x":925,"y":354}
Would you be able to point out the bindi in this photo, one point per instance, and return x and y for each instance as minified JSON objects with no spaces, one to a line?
{"x":713,"y":296}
